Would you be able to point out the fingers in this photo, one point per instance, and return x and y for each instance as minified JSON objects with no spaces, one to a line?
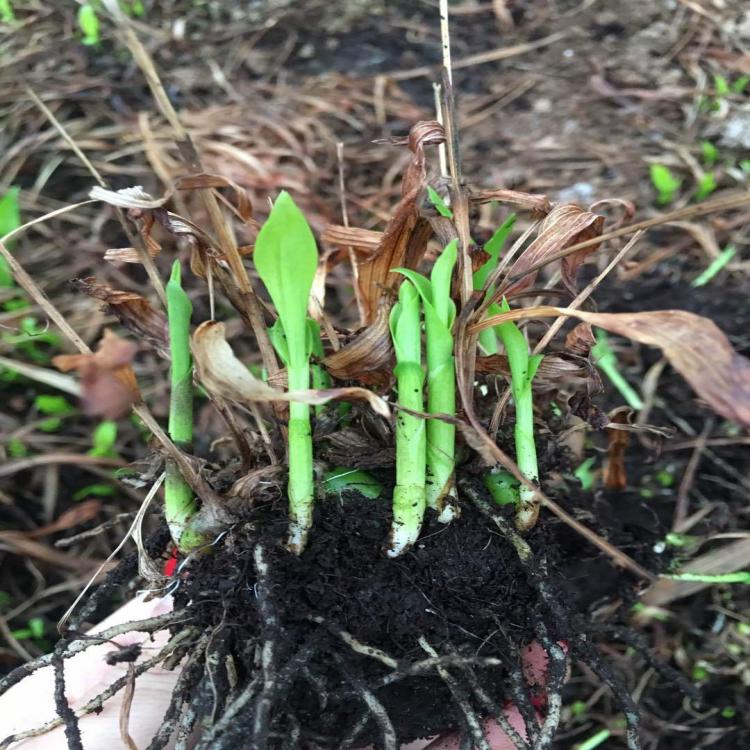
{"x":30,"y":703}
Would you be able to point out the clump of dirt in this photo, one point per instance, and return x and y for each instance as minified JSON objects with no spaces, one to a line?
{"x":342,"y":621}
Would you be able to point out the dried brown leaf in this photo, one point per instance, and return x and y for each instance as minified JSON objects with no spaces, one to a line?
{"x":78,"y":514}
{"x":553,"y":371}
{"x":362,"y":240}
{"x":368,"y":358}
{"x":615,"y":476}
{"x":538,"y":205}
{"x":108,"y":382}
{"x":242,"y":203}
{"x":565,"y":225}
{"x":134,"y":312}
{"x":695,"y":346}
{"x":222,"y":373}
{"x":405,"y":238}
{"x":580,"y":340}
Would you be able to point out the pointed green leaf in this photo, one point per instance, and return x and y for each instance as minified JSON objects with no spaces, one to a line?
{"x":493,"y":247}
{"x":439,"y":203}
{"x":286,"y":258}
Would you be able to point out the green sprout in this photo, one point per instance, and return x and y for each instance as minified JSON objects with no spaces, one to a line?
{"x":440,"y":205}
{"x":343,"y":478}
{"x":606,"y":361}
{"x":320,"y":377}
{"x":742,"y":576}
{"x":595,"y":740}
{"x":493,"y":247}
{"x":439,"y":315}
{"x":706,"y":186}
{"x":666,"y":183}
{"x":89,"y":24}
{"x":502,"y":486}
{"x":586,"y":474}
{"x":523,"y":367}
{"x":286,"y":258}
{"x":104,"y":439}
{"x":10,"y":219}
{"x":409,"y":494}
{"x":179,"y":502}
{"x":710,"y":153}
{"x":714,"y":266}
{"x":6,"y":16}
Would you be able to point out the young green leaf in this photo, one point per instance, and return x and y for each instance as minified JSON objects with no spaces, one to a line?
{"x":6,"y":16}
{"x":440,"y":205}
{"x":343,"y":478}
{"x":88,"y":22}
{"x":706,"y":186}
{"x":10,"y":219}
{"x":715,"y":266}
{"x":286,"y":258}
{"x":666,"y":183}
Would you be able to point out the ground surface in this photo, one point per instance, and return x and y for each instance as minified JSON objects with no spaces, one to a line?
{"x":609,"y":89}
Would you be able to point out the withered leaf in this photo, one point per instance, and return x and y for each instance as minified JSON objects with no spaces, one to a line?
{"x":553,"y":371}
{"x":565,"y":225}
{"x":368,"y":357}
{"x":615,"y":475}
{"x":242,"y":203}
{"x":580,"y":340}
{"x":405,"y":237}
{"x":695,"y":346}
{"x":108,"y":382}
{"x":222,"y":373}
{"x":538,"y":205}
{"x":136,"y":313}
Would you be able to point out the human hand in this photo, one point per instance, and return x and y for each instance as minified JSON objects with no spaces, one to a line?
{"x":30,"y":703}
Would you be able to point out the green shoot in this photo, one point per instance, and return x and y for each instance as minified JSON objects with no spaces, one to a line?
{"x":503,"y":487}
{"x":595,"y":740}
{"x":439,"y":315}
{"x":721,"y":85}
{"x":715,"y":266}
{"x":342,"y":478}
{"x":488,"y":337}
{"x":179,"y":503}
{"x":6,"y":16}
{"x":523,"y":367}
{"x":286,"y":258}
{"x":409,"y":496}
{"x":710,"y":153}
{"x":320,"y":377}
{"x":89,"y":24}
{"x":57,"y":406}
{"x":706,"y":186}
{"x":94,"y":490}
{"x":441,"y":206}
{"x":666,"y":183}
{"x":586,"y":474}
{"x":104,"y":440}
{"x":606,"y":361}
{"x":10,"y":219}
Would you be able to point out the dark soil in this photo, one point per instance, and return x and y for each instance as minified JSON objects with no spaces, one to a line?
{"x":462,"y":588}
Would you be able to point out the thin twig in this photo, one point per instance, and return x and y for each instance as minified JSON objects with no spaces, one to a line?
{"x":125,"y":706}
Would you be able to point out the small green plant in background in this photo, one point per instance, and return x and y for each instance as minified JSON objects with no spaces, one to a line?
{"x":10,"y":220}
{"x":715,"y":266}
{"x":586,"y":474}
{"x":104,"y":439}
{"x":439,"y":316}
{"x":409,"y":494}
{"x":88,"y":23}
{"x":6,"y":16}
{"x":706,"y":185}
{"x":286,"y":258}
{"x":55,"y":407}
{"x":710,"y":153}
{"x":179,"y":503}
{"x":606,"y":361}
{"x":441,"y":206}
{"x":666,"y":183}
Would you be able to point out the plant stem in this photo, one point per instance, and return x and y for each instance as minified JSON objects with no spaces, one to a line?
{"x":522,"y":370}
{"x":179,"y":502}
{"x":301,"y":488}
{"x":409,"y":497}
